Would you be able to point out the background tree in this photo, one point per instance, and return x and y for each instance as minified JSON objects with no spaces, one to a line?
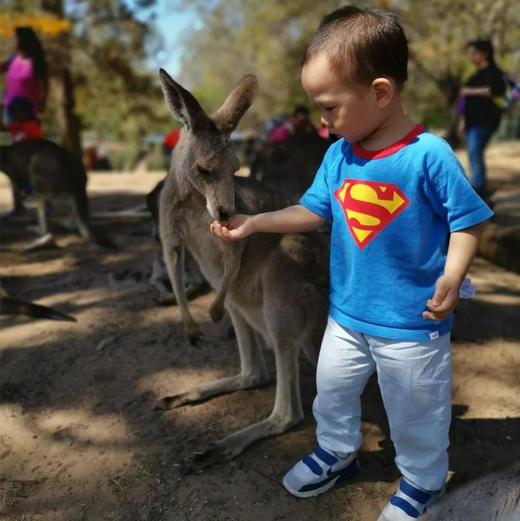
{"x":100,"y":79}
{"x":234,"y":37}
{"x":97,"y":70}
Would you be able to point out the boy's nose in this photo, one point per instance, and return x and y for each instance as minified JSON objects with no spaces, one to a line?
{"x":324,"y":122}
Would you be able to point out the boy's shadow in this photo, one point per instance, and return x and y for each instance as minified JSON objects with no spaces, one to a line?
{"x":477,"y":445}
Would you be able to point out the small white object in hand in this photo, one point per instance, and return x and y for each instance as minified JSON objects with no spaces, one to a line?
{"x":467,"y":290}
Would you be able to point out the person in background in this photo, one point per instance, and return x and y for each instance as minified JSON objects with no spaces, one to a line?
{"x":23,"y":126}
{"x":481,"y":113}
{"x":26,"y":73}
{"x":170,"y":141}
{"x":23,"y":123}
{"x":300,"y":122}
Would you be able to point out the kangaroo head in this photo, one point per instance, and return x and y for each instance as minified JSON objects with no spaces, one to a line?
{"x":204,"y":155}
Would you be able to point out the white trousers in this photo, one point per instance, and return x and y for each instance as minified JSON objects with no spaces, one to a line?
{"x":415,"y":382}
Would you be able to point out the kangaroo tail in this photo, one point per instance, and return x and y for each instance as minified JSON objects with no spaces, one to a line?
{"x":13,"y":306}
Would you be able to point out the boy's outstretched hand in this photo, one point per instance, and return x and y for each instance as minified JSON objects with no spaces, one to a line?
{"x":238,"y":227}
{"x":445,"y":298}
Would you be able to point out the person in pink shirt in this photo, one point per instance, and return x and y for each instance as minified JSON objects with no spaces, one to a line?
{"x":26,"y":73}
{"x":300,"y":121}
{"x":23,"y":123}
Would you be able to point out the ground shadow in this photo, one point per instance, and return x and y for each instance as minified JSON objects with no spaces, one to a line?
{"x":108,"y":368}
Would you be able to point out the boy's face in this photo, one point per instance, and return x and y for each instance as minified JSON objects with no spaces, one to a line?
{"x":348,"y":111}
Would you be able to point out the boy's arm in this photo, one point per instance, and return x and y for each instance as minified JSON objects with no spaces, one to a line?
{"x":289,"y":220}
{"x":461,"y":251}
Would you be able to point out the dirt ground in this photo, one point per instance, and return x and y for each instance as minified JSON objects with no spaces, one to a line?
{"x":79,"y":440}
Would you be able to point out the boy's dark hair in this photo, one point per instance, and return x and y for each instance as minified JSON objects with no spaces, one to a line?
{"x":370,"y":42}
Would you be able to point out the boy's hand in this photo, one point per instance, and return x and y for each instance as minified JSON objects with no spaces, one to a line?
{"x":238,"y":227}
{"x":445,"y":298}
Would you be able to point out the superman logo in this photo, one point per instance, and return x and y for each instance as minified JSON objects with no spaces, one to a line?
{"x":369,"y":207}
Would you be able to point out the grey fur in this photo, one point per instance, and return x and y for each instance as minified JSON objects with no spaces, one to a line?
{"x":274,"y":287}
{"x":492,"y":498}
{"x":54,"y":173}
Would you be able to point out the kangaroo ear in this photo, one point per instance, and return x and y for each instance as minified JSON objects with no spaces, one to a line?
{"x":228,"y":115}
{"x":182,"y":104}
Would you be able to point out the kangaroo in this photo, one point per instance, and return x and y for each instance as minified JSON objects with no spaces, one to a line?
{"x":54,"y":172}
{"x":290,"y":165}
{"x":491,"y":498}
{"x":274,"y":287}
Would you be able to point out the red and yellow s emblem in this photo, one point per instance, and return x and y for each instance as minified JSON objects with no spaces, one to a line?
{"x":369,"y":207}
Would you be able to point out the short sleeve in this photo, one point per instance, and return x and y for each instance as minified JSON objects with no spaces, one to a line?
{"x":449,"y":191}
{"x":317,"y":198}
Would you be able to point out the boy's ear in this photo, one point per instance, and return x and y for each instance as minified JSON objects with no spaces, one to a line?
{"x":384,"y":91}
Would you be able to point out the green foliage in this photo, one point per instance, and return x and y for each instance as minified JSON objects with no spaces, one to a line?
{"x":118,"y":97}
{"x":115,"y":94}
{"x":268,"y":38}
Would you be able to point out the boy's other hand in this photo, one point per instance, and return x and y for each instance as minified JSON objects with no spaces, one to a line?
{"x":445,"y":298}
{"x":238,"y":227}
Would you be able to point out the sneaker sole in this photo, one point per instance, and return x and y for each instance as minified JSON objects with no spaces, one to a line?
{"x":348,"y":472}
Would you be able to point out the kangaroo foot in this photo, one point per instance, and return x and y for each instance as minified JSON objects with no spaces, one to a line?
{"x":45,"y":241}
{"x":216,"y":453}
{"x":170,"y":402}
{"x":192,"y":331}
{"x":232,"y":445}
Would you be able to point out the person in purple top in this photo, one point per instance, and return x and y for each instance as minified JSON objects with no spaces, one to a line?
{"x":26,"y":73}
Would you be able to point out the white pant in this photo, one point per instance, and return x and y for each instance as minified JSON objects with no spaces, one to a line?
{"x":415,"y":382}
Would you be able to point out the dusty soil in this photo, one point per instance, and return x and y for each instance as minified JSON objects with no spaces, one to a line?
{"x":79,"y":440}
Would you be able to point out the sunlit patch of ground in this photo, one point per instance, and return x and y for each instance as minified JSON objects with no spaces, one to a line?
{"x":79,"y":439}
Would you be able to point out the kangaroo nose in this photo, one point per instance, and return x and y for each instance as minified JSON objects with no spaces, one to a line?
{"x":223,"y":214}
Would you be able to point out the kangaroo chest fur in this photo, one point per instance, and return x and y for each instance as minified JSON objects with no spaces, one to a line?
{"x":189,"y":221}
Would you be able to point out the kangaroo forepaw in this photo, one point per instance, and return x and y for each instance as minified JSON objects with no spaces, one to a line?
{"x":216,"y":311}
{"x":192,"y":331}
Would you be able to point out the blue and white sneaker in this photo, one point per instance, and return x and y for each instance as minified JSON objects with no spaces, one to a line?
{"x":319,"y":472}
{"x":409,"y":502}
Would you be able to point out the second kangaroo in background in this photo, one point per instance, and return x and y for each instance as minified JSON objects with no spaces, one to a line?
{"x":54,"y":173}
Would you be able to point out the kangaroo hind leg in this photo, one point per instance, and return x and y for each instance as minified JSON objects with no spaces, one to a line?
{"x":287,"y":412}
{"x":253,"y":371}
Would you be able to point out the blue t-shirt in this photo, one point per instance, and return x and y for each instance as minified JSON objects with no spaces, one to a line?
{"x":392,"y":212}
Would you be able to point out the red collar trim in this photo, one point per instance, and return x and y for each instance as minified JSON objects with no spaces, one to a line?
{"x":389,"y":150}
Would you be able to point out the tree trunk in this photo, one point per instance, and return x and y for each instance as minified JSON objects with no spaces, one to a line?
{"x":67,"y":121}
{"x":61,"y":84}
